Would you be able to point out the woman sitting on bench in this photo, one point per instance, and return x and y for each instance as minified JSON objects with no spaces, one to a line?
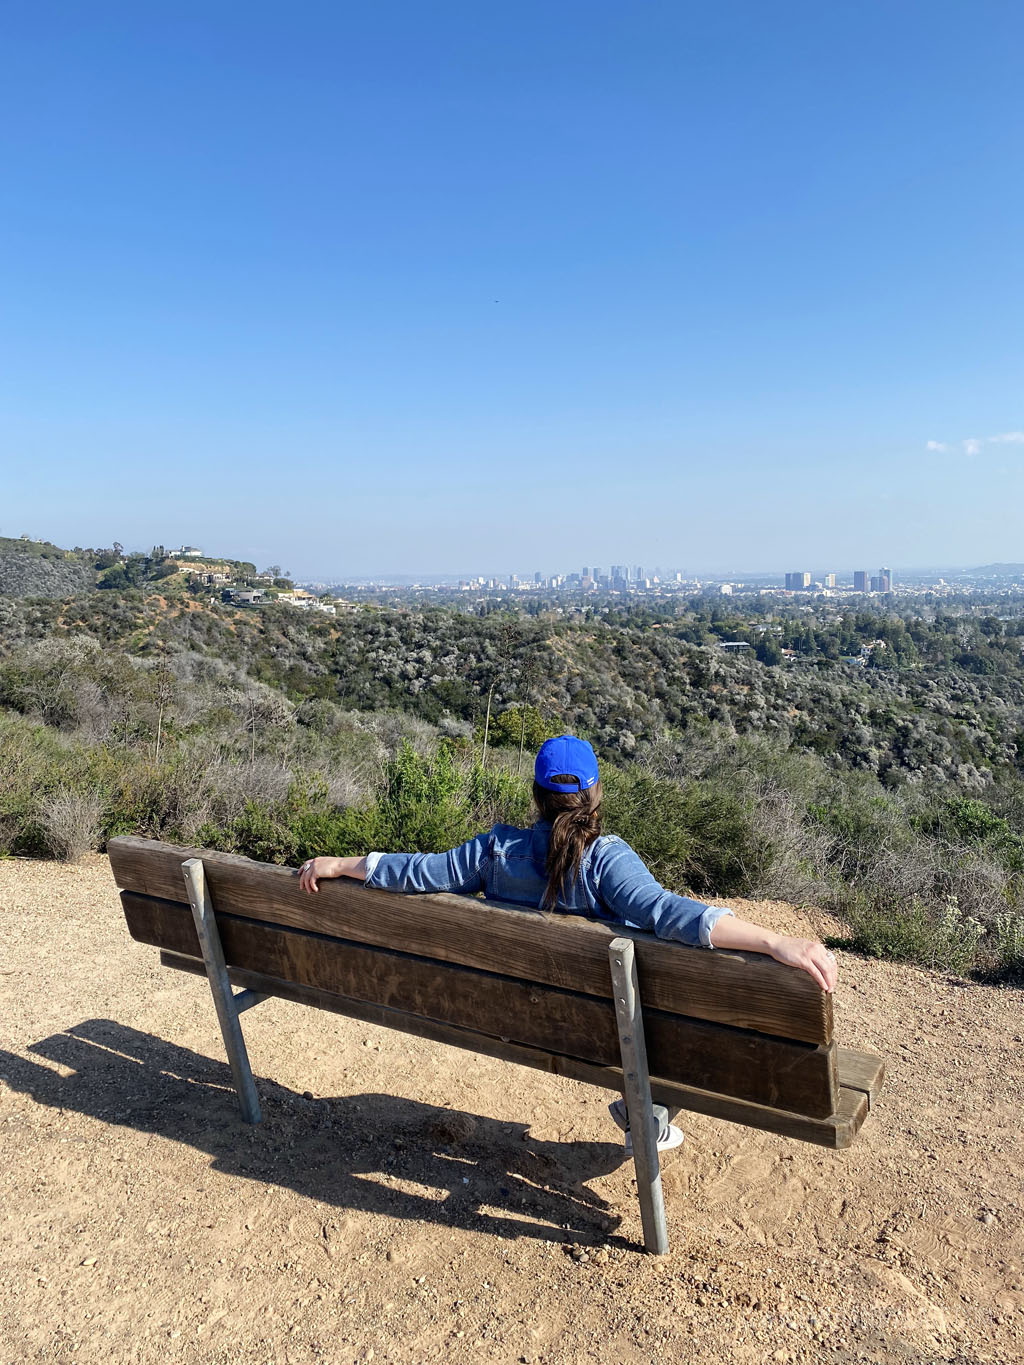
{"x":564,"y":863}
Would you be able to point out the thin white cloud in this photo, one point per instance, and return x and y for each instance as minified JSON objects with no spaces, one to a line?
{"x":973,"y":445}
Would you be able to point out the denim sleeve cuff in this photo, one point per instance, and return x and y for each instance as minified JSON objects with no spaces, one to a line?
{"x":708,"y":920}
{"x":372,"y":859}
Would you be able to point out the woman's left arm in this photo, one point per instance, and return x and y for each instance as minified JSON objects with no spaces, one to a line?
{"x":460,"y":869}
{"x":633,"y":896}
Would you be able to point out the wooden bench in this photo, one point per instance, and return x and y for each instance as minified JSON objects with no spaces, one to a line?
{"x":732,"y":1035}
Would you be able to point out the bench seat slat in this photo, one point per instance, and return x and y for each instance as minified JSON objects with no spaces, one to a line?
{"x":779,"y":1072}
{"x":861,"y":1071}
{"x":836,"y":1131}
{"x":745,"y":990}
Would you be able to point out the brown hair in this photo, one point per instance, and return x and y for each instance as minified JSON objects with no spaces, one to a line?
{"x":575,"y":824}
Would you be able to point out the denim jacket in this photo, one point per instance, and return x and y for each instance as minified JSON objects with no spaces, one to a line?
{"x":507,"y":864}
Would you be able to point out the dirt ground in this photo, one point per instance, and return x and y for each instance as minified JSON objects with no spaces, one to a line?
{"x":407,"y":1202}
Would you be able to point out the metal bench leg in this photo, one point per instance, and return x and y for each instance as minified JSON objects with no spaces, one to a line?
{"x":225,"y":1000}
{"x":637,"y":1087}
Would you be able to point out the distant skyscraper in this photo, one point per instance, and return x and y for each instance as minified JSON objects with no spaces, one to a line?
{"x":638,"y":573}
{"x":885,"y":580}
{"x":797,"y":581}
{"x":861,"y":580}
{"x":830,"y":580}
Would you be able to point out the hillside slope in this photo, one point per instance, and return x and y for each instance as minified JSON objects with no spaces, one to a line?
{"x":625,"y":686}
{"x":404,"y":1202}
{"x":35,"y":569}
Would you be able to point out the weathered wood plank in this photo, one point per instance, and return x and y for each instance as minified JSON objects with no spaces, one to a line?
{"x":836,"y":1132}
{"x":746,"y":990}
{"x":772,"y":1071}
{"x":861,"y":1071}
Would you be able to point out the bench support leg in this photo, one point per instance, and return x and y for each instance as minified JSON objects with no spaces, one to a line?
{"x":637,"y":1087}
{"x":225,"y":1000}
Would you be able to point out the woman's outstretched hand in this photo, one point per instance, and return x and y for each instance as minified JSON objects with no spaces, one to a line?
{"x":810,"y":956}
{"x":314,"y":868}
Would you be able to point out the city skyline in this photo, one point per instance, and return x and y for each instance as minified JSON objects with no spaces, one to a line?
{"x":628,"y":573}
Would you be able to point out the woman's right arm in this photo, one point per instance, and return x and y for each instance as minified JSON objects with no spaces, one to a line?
{"x":311,"y":872}
{"x":459,"y":869}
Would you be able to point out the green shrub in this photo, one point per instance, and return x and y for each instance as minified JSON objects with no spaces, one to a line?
{"x":947,"y":941}
{"x":695,"y":836}
{"x":506,"y":727}
{"x":1008,"y":947}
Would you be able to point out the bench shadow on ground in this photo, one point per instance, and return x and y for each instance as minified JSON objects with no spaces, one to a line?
{"x":358,"y":1151}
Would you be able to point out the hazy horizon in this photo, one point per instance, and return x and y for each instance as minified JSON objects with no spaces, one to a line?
{"x":362,"y":290}
{"x":429,"y":575}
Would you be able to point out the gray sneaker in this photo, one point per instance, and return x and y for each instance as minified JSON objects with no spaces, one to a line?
{"x":669,"y":1135}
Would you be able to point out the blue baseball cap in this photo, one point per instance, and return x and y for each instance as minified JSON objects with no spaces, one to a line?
{"x":565,"y":756}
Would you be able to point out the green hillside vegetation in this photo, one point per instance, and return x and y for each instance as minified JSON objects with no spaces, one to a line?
{"x":891,"y":792}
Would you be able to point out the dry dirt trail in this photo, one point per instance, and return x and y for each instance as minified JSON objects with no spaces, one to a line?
{"x":405,"y":1202}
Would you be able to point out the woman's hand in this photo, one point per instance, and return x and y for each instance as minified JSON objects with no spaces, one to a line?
{"x":314,"y":868}
{"x":810,"y":956}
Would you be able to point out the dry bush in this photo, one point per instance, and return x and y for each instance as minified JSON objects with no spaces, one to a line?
{"x":71,"y":822}
{"x":265,"y":782}
{"x":790,"y":860}
{"x":393,"y":728}
{"x":976,"y":881}
{"x":347,"y":786}
{"x":9,"y":829}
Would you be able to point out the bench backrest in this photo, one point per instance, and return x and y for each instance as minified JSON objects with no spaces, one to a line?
{"x":733,"y":1024}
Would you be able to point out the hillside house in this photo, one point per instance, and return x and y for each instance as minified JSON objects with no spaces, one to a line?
{"x":306,"y":601}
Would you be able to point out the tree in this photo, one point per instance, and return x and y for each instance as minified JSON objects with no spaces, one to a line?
{"x":768,"y":650}
{"x":528,"y":675}
{"x":509,"y":639}
{"x":164,"y":686}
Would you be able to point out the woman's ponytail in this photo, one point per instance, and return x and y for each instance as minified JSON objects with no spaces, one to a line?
{"x":575,"y":824}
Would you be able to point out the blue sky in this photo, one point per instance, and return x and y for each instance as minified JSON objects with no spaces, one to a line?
{"x":463,"y":287}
